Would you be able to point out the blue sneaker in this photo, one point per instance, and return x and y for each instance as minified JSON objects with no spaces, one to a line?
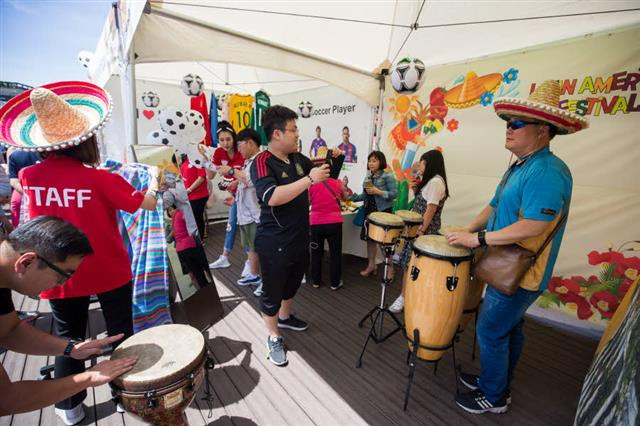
{"x":250,"y":280}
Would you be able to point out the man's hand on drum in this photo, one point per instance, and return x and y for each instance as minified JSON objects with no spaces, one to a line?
{"x":373,"y":191}
{"x":84,"y":350}
{"x":320,"y":174}
{"x":105,"y":371}
{"x":463,"y":238}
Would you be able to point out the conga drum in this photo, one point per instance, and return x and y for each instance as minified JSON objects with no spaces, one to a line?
{"x":412,"y":222}
{"x":384,"y":228}
{"x":445,"y":229}
{"x":435,"y":291}
{"x":169,"y":371}
{"x":472,"y":303}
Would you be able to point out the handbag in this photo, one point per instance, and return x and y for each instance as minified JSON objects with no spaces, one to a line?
{"x":503,"y":267}
{"x":358,"y":219}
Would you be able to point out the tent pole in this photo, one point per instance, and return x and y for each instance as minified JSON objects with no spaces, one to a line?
{"x":378,"y":124}
{"x":128,"y":88}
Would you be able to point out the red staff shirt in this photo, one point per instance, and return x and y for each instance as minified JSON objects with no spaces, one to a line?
{"x":221,"y":158}
{"x":190,"y":174}
{"x":89,"y":199}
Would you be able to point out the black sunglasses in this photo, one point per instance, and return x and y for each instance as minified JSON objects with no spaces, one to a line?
{"x":65,"y":276}
{"x":519,"y":124}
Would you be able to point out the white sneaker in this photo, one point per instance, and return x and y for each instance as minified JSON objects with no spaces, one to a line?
{"x":72,"y":416}
{"x":304,"y":279}
{"x":119,"y":408}
{"x":246,"y":270}
{"x":222,"y":262}
{"x":398,"y":305}
{"x":258,"y":291}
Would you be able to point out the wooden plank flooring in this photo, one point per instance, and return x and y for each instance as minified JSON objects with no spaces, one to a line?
{"x":321,"y":384}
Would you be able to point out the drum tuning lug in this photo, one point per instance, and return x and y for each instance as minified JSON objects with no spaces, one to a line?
{"x":209,"y":364}
{"x":152,"y":403}
{"x":452,"y":283}
{"x":414,"y":273}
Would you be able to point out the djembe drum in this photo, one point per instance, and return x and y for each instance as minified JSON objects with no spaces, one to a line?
{"x":169,"y":371}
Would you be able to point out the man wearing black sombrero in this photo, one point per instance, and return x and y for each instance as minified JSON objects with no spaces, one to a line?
{"x":530,"y":203}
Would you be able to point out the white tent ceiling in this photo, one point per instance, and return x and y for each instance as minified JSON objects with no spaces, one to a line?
{"x":312,"y":38}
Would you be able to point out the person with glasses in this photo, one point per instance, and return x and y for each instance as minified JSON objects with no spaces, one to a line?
{"x":532,"y":198}
{"x":68,"y":184}
{"x":282,"y":176}
{"x":41,"y":254}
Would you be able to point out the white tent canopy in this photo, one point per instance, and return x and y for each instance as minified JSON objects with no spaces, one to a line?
{"x":313,"y":39}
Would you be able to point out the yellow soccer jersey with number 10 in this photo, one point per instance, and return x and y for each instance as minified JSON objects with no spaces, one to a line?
{"x":240,"y":107}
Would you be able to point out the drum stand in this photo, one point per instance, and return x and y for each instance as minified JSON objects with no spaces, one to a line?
{"x":376,"y":314}
{"x":209,"y":364}
{"x":412,"y":356}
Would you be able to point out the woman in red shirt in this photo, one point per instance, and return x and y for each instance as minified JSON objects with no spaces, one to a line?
{"x":226,"y":160}
{"x":195,"y":180}
{"x":67,"y":185}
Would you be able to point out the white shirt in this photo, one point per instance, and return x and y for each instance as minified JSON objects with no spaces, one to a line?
{"x":246,"y":198}
{"x":434,"y":191}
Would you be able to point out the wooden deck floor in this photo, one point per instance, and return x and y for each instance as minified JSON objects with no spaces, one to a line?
{"x":321,"y":384}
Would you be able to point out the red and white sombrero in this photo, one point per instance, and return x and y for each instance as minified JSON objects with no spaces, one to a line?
{"x":55,"y":116}
{"x":542,"y":105}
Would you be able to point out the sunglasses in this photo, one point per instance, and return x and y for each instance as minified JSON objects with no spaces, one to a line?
{"x":519,"y":124}
{"x":64,"y":275}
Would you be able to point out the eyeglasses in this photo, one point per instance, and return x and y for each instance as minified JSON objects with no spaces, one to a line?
{"x":64,"y":275}
{"x":519,"y":124}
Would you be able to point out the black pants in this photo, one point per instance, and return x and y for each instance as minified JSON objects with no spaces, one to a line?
{"x":282,"y":272}
{"x":195,"y":261}
{"x":198,"y":207}
{"x":70,"y":321}
{"x":332,"y":232}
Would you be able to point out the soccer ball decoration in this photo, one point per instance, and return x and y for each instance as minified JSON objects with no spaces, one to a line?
{"x":150,"y":99}
{"x":305,"y":109}
{"x":192,"y":85}
{"x":84,"y":58}
{"x":172,"y":121}
{"x":408,"y":74}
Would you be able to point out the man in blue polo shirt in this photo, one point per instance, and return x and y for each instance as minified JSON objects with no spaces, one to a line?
{"x":531,"y":200}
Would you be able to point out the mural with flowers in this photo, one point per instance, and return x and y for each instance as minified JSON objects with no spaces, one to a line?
{"x":596,"y":297}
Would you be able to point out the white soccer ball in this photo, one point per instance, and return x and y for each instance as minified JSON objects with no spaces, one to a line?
{"x":192,"y":85}
{"x":305,"y":109}
{"x":195,"y":126}
{"x":172,"y":121}
{"x":408,"y":75}
{"x":84,"y":58}
{"x":150,"y":99}
{"x":160,"y":137}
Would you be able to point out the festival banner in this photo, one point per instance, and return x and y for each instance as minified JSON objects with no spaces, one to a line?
{"x":452,"y":111}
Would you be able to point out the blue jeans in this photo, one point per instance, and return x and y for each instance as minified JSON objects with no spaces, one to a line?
{"x":232,"y":225}
{"x":500,"y":338}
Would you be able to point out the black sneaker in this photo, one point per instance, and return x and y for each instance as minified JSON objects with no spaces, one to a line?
{"x":277,"y":353}
{"x":471,"y":382}
{"x":475,"y":402}
{"x":293,"y":323}
{"x":336,"y":287}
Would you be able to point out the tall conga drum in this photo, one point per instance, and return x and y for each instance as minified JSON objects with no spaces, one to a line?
{"x":436,"y":287}
{"x":169,"y":371}
{"x":384,"y":228}
{"x":474,"y":297}
{"x":412,"y":221}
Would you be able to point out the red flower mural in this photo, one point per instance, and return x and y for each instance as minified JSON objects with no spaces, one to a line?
{"x":452,"y":125}
{"x":605,"y":302}
{"x":600,"y":294}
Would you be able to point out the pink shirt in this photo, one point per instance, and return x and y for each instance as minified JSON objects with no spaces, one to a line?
{"x":324,"y":207}
{"x":180,"y":233}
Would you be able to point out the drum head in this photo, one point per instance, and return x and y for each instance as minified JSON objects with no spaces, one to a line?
{"x":387,"y":220}
{"x":437,"y":246}
{"x":166,"y":353}
{"x":409,"y":216}
{"x":445,"y":229}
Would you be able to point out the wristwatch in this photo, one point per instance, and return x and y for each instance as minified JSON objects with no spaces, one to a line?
{"x":69,"y":348}
{"x":481,"y":238}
